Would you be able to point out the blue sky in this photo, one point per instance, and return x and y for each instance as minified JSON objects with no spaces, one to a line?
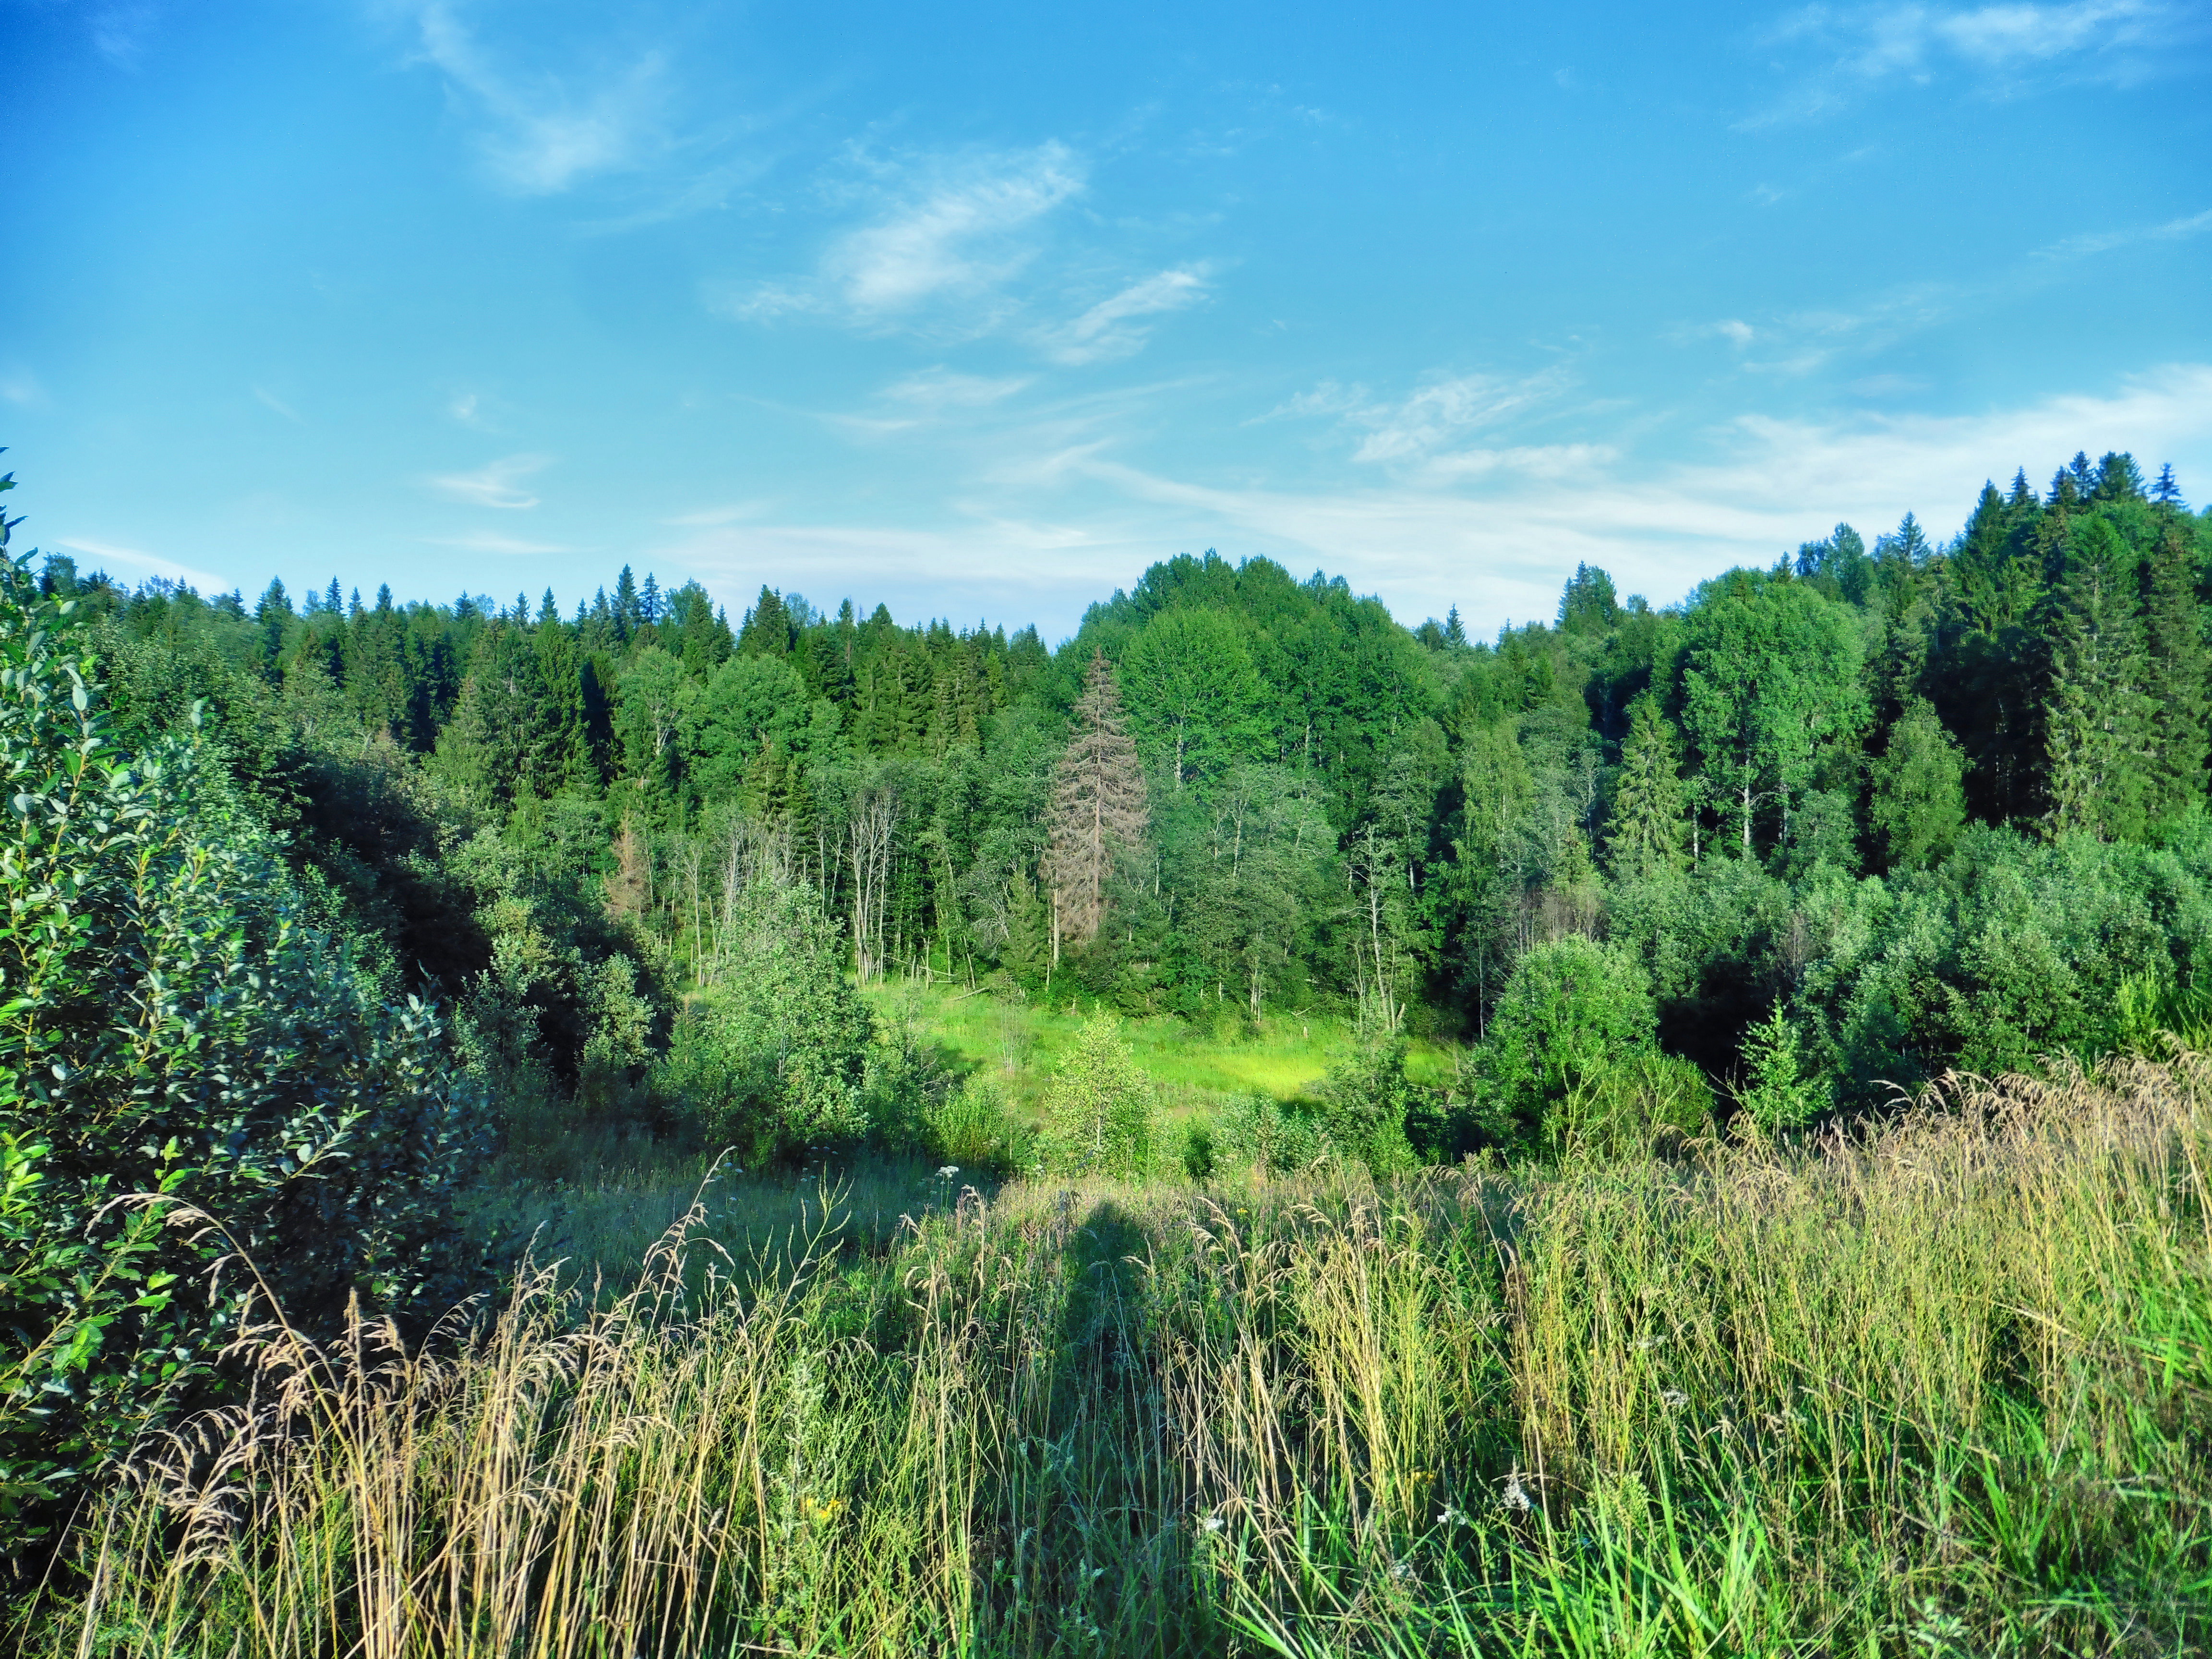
{"x":978,"y":310}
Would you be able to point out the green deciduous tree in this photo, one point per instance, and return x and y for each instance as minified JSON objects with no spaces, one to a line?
{"x":1770,"y":679}
{"x":1099,"y":1112}
{"x":1195,"y":698}
{"x":1573,"y":1008}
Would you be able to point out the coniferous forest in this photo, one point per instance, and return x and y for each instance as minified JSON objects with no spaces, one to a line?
{"x":1256,"y":1127}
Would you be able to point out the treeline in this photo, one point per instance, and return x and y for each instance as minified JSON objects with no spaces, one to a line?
{"x":1935,"y":799}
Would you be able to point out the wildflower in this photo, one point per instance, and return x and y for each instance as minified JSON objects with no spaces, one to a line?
{"x":1448,"y":1517}
{"x":1212,"y":1523}
{"x":1516,"y":1497}
{"x":1402,"y":1572}
{"x":1674,"y":1398}
{"x":947,"y":1171}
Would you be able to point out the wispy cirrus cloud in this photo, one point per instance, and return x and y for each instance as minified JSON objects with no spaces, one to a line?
{"x":139,"y":559}
{"x":947,"y":230}
{"x":1498,"y":539}
{"x":2173,"y":230}
{"x":542,"y":132}
{"x":270,"y":401}
{"x":2005,"y":48}
{"x":498,"y":483}
{"x":1120,"y":323}
{"x":1422,"y":427}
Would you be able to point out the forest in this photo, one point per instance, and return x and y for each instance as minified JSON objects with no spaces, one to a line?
{"x":349,"y":942}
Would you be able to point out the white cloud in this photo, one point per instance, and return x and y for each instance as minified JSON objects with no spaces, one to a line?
{"x":120,"y":32}
{"x":1115,"y":326}
{"x":497,"y":484}
{"x":2006,"y":46}
{"x":960,"y":236}
{"x":1499,"y":536}
{"x":270,"y":400}
{"x":1437,"y":413}
{"x":108,"y":553}
{"x":21,"y":387}
{"x":954,"y":231}
{"x":940,"y":388}
{"x":491,"y":541}
{"x":929,"y":398}
{"x":2173,"y":230}
{"x":544,"y":138}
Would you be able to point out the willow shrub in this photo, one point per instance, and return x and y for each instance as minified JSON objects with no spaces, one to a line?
{"x":189,"y":1068}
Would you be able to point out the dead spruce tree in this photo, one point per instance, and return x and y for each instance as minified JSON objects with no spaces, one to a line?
{"x":1098,"y":810}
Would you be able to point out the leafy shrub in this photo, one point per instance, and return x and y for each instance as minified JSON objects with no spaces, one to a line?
{"x":172,"y":1025}
{"x":773,"y":1059}
{"x":1100,"y":1110}
{"x":1259,"y":1132}
{"x":1365,"y":1100}
{"x":1774,"y":1092}
{"x":1628,"y":1104}
{"x":1573,"y":1010}
{"x":975,"y":1126}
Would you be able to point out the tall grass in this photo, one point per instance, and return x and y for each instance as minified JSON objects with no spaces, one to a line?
{"x":1948,"y":1389}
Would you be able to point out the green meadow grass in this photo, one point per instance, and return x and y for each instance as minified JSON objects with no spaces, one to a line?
{"x":1942,"y":1390}
{"x":1196,"y":1065}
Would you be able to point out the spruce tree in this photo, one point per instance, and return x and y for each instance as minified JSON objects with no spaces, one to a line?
{"x":2166,"y":492}
{"x":2177,"y":665}
{"x":1644,"y":833}
{"x":2097,"y":717}
{"x":2119,"y":478}
{"x":1098,"y":808}
{"x":1919,"y":796}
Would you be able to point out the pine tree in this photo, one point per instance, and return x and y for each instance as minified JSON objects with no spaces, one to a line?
{"x":1098,"y":808}
{"x":625,"y":606}
{"x":2119,"y":478}
{"x":2178,"y":667}
{"x":2023,"y":493}
{"x":1456,"y":630}
{"x":2166,"y":492}
{"x":1644,"y":833}
{"x":2096,"y":715}
{"x":767,"y":630}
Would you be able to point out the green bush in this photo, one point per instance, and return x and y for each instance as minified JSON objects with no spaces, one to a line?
{"x":171,"y":1026}
{"x":1365,"y":1101}
{"x":975,"y":1126}
{"x":1574,"y":1010}
{"x":1099,"y":1112}
{"x":1258,"y":1132}
{"x":773,"y":1060}
{"x":1628,"y":1105}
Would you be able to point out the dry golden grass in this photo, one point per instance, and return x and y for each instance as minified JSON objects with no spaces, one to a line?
{"x":1946,"y":1389}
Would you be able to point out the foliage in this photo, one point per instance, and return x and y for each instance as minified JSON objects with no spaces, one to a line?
{"x":773,"y":1057}
{"x":189,"y":1066}
{"x":1775,"y":1093}
{"x":1366,"y":1101}
{"x":1100,"y":1111}
{"x":1574,"y":1009}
